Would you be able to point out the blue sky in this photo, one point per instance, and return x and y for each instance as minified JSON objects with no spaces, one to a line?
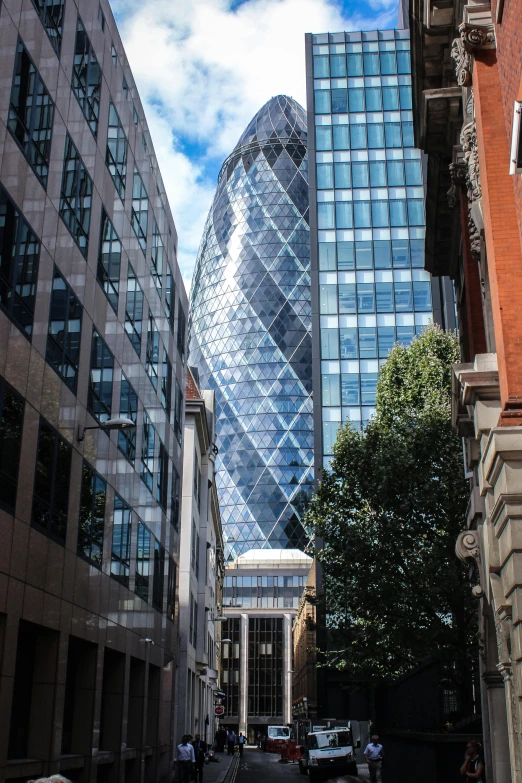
{"x":203,"y":68}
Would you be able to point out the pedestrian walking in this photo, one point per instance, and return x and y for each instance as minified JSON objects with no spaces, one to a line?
{"x":241,"y":742}
{"x":473,"y":767}
{"x":373,"y":753}
{"x":231,"y":741}
{"x":185,"y":759}
{"x":220,"y":739}
{"x":259,"y":737}
{"x":200,"y":750}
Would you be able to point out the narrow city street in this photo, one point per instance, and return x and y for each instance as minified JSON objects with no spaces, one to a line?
{"x":258,"y":767}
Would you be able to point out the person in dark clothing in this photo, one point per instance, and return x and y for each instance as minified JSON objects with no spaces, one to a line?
{"x":473,"y":767}
{"x":200,"y":749}
{"x":220,"y":739}
{"x":241,"y":741}
{"x":231,"y":741}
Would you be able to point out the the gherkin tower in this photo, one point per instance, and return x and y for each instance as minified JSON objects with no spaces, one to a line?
{"x":250,"y":331}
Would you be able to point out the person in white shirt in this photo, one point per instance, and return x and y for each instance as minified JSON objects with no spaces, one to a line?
{"x":185,"y":759}
{"x":373,"y":753}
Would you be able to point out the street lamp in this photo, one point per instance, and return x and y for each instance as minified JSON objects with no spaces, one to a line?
{"x":119,"y":423}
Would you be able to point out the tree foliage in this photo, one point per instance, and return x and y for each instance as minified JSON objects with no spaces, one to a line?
{"x":387,"y":514}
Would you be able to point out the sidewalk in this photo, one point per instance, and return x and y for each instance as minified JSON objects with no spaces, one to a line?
{"x":215,"y":772}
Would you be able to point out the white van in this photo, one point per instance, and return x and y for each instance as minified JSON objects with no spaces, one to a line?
{"x":331,"y":752}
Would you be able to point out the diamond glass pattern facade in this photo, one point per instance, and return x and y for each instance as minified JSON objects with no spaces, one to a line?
{"x":367,"y":219}
{"x":250,"y":331}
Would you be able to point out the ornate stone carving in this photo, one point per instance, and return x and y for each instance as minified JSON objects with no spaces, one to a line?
{"x":458,"y":175}
{"x":468,"y":139}
{"x":462,"y":62}
{"x":468,"y":546}
{"x":471,"y":37}
{"x":475,"y":241}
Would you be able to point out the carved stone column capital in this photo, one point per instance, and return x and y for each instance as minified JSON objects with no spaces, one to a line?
{"x":472,"y":37}
{"x":468,"y":546}
{"x":458,"y":174}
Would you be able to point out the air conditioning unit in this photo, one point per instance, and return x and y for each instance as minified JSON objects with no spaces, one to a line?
{"x":515,"y":164}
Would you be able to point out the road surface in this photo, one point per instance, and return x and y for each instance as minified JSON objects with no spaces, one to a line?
{"x":259,"y":767}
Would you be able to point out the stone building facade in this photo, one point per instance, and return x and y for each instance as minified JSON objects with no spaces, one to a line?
{"x":467,"y":101}
{"x":201,"y":569}
{"x":304,"y":694}
{"x":92,"y":329}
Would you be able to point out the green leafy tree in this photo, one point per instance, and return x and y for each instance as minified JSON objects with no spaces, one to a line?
{"x":387,"y":514}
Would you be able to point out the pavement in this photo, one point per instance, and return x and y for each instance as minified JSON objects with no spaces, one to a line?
{"x":256,"y":766}
{"x":215,"y":772}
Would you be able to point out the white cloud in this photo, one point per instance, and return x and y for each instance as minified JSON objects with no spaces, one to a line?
{"x":203,"y":70}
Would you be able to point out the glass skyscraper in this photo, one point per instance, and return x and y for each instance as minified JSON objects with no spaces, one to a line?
{"x":366,"y":217}
{"x":250,"y":331}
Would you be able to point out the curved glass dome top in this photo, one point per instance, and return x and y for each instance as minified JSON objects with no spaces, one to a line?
{"x":250,"y":331}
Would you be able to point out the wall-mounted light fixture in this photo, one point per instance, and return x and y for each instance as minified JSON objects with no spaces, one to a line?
{"x":120,"y":423}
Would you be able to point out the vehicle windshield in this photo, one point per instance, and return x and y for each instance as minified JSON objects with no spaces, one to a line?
{"x":334,"y":739}
{"x":275,"y":732}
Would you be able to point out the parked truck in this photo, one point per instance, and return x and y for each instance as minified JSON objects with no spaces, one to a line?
{"x":329,"y":752}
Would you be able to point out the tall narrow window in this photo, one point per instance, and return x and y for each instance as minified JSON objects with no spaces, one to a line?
{"x":86,"y":78}
{"x":170,"y":298}
{"x":182,"y":325}
{"x":64,"y":335}
{"x":51,"y":487}
{"x":92,"y":516}
{"x":11,"y":425}
{"x":134,"y":310}
{"x":156,"y":259}
{"x":148,"y":445}
{"x":19,"y":259}
{"x":116,"y":155}
{"x":152,"y":353}
{"x":162,"y":478}
{"x":31,"y":113}
{"x":175,"y":499}
{"x":171,"y":589}
{"x":114,"y":55}
{"x":140,"y":210}
{"x":51,"y":14}
{"x":166,"y":384}
{"x":178,"y":412}
{"x":99,"y":397}
{"x":76,"y":197}
{"x":121,"y":538}
{"x":109,"y":261}
{"x":101,"y":18}
{"x":158,"y":577}
{"x":197,"y":481}
{"x":129,"y":410}
{"x":143,"y":562}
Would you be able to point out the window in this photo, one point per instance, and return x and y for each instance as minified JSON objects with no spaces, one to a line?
{"x":148,"y":446}
{"x":350,"y":390}
{"x":329,"y":435}
{"x":323,"y":137}
{"x":51,"y":14}
{"x":328,"y":299}
{"x":393,"y":134}
{"x":388,"y":63}
{"x":143,"y":562}
{"x":99,"y":396}
{"x":324,"y":176}
{"x":125,"y":87}
{"x":321,"y":67}
{"x":109,"y":262}
{"x":156,"y":259}
{"x":347,"y":298}
{"x":373,"y":99}
{"x":171,"y":589}
{"x":19,"y":260}
{"x":87,"y":78}
{"x":101,"y":18}
{"x":326,"y":256}
{"x":51,"y":489}
{"x":175,"y":499}
{"x":345,"y":256}
{"x":182,"y":325}
{"x":380,"y":217}
{"x":339,"y":103}
{"x":375,"y":136}
{"x":140,"y":210}
{"x":355,"y":64}
{"x":64,"y":335}
{"x":378,"y":174}
{"x":422,"y":295}
{"x":129,"y":410}
{"x":134,"y":310}
{"x":405,"y":335}
{"x":338,"y":66}
{"x":360,"y":175}
{"x":325,"y":215}
{"x":343,"y":214}
{"x":92,"y":516}
{"x":405,"y":93}
{"x":363,"y":255}
{"x":152,"y":353}
{"x":340,"y":137}
{"x":361,"y":214}
{"x":330,"y":390}
{"x":403,"y":297}
{"x":329,"y":344}
{"x":158,"y":576}
{"x":76,"y":197}
{"x":390,"y":98}
{"x":365,"y":298}
{"x":135,"y":117}
{"x":343,"y":177}
{"x":116,"y":154}
{"x":166,"y":384}
{"x":367,"y":343}
{"x":31,"y":113}
{"x":371,"y":64}
{"x":381,"y":250}
{"x":368,"y":388}
{"x":416,"y":212}
{"x":407,"y":134}
{"x":12,"y":408}
{"x":121,"y":539}
{"x":114,"y":55}
{"x":322,"y":101}
{"x":356,"y":97}
{"x":413,"y":171}
{"x":162,"y":478}
{"x":348,"y":340}
{"x":400,"y":255}
{"x":384,"y":297}
{"x":417,"y":253}
{"x":358,"y":137}
{"x":178,"y":411}
{"x":386,"y":337}
{"x":197,"y":481}
{"x":395,"y":173}
{"x":398,"y":213}
{"x":170,"y":298}
{"x":403,"y":62}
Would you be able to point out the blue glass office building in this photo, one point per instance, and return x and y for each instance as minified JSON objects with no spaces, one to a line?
{"x":250,"y":331}
{"x":366,"y":218}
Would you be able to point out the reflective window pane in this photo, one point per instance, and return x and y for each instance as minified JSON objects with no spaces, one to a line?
{"x":340,"y":137}
{"x":343,"y":177}
{"x":343,"y":214}
{"x":323,"y":137}
{"x":345,"y":256}
{"x":322,"y":101}
{"x":339,"y":102}
{"x":324,"y":176}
